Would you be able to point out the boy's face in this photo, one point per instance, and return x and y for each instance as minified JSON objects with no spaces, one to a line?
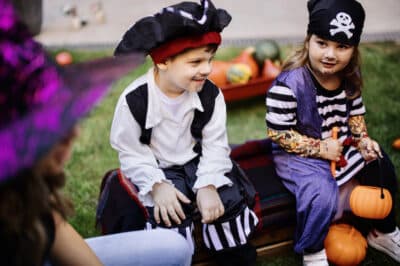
{"x":328,"y":57}
{"x":185,"y":72}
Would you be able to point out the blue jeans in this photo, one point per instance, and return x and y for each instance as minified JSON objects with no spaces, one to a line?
{"x":155,"y":247}
{"x":159,"y":247}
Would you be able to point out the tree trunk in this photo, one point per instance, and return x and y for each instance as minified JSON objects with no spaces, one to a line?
{"x":30,"y":12}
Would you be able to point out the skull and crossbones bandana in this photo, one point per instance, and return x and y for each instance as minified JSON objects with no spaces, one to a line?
{"x":336,"y":20}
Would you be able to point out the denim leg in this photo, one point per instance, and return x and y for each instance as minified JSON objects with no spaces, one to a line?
{"x":159,"y":247}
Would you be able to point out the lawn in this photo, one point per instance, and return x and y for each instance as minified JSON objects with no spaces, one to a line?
{"x":93,"y":155}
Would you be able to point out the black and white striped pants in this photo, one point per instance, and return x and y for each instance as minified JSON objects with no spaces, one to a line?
{"x":228,"y":231}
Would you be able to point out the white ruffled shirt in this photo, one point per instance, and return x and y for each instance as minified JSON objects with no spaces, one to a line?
{"x":171,"y":140}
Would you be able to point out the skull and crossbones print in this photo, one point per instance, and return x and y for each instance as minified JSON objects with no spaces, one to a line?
{"x":343,"y":23}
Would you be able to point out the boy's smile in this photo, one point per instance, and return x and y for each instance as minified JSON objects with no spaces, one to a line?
{"x":185,"y":72}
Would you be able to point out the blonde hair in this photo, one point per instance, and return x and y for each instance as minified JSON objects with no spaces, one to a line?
{"x":351,"y":74}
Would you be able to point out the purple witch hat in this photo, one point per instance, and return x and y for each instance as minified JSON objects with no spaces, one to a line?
{"x":39,"y":101}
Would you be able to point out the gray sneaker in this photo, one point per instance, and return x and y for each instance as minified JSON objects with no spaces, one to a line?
{"x":387,"y":243}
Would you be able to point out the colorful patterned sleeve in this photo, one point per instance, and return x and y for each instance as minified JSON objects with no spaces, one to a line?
{"x":281,"y":119}
{"x":358,"y":127}
{"x":357,"y":123}
{"x":294,"y":142}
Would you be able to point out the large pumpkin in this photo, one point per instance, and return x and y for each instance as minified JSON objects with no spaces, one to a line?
{"x":370,"y":202}
{"x":345,"y":245}
{"x":267,"y":49}
{"x":218,"y":73}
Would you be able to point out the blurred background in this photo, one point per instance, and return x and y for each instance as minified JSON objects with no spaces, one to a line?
{"x":282,"y":20}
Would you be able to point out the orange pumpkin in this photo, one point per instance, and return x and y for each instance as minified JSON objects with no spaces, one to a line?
{"x":270,"y":70}
{"x":64,"y":58}
{"x":246,"y":57}
{"x":345,"y":245}
{"x":218,"y":73}
{"x":396,"y":144}
{"x":367,"y":202}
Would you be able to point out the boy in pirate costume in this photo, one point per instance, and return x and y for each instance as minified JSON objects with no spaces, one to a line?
{"x":169,"y":129}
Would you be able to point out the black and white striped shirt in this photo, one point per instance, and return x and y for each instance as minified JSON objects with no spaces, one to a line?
{"x":281,"y":115}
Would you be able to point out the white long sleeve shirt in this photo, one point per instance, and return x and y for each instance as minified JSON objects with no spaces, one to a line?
{"x":171,"y":141}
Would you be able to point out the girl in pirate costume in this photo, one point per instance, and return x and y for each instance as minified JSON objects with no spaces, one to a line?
{"x":169,"y":129}
{"x":320,"y":88}
{"x":40,"y":106}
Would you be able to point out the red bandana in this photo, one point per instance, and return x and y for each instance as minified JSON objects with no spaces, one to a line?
{"x":168,"y":49}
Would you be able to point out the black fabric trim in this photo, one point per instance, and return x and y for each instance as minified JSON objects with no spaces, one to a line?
{"x":207,"y":232}
{"x":281,"y":97}
{"x":328,"y":102}
{"x":234,"y":231}
{"x":278,"y":127}
{"x":358,"y":106}
{"x":281,"y":111}
{"x":251,"y":222}
{"x":221,"y":235}
{"x":333,"y":114}
{"x":137,"y":101}
{"x":207,"y":97}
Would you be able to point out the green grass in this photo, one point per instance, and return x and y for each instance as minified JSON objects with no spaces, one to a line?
{"x":93,"y":155}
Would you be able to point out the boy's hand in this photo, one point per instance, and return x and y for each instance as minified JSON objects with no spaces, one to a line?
{"x":166,"y":203}
{"x":209,"y":204}
{"x":369,"y":149}
{"x":330,"y":149}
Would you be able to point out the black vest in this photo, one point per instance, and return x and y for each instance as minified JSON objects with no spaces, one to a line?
{"x":138,"y":100}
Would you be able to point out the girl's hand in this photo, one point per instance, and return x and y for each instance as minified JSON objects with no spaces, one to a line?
{"x":209,"y":204}
{"x":166,"y":203}
{"x":369,"y":149}
{"x":330,"y":149}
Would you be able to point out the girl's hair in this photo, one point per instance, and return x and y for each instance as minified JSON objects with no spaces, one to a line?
{"x":351,"y":74}
{"x":27,"y":203}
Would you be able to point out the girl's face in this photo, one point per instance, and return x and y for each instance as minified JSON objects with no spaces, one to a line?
{"x":185,"y":72}
{"x":328,"y":58}
{"x":54,"y":161}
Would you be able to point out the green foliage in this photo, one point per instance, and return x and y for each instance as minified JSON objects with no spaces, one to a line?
{"x":93,"y":155}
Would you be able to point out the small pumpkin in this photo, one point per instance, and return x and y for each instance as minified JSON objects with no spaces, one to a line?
{"x":270,"y":70}
{"x":370,"y":202}
{"x":64,"y":58}
{"x":238,"y":73}
{"x":218,"y":73}
{"x":247,"y":58}
{"x":345,"y":245}
{"x":396,"y":144}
